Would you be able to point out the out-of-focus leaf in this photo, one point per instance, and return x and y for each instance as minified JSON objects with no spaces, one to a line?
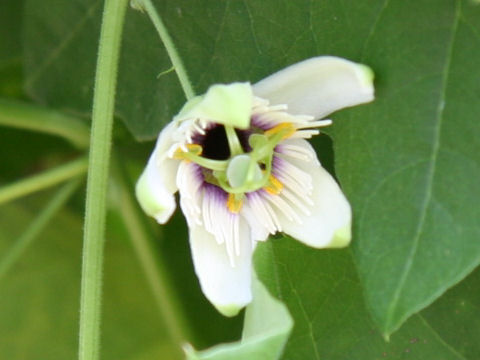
{"x":11,"y":47}
{"x":324,"y":296}
{"x":24,"y":153}
{"x":60,"y":51}
{"x":40,"y":295}
{"x":10,"y":31}
{"x":266,"y":330}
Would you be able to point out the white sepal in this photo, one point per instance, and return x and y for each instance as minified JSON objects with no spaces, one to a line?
{"x":156,"y":186}
{"x":152,"y":193}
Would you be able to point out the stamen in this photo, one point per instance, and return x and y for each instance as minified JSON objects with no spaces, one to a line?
{"x":192,"y":152}
{"x":274,"y":186}
{"x":286,"y":129}
{"x":184,"y":149}
{"x":234,"y":203}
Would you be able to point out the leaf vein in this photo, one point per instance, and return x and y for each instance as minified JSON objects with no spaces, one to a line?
{"x":310,"y":20}
{"x":56,"y":52}
{"x":471,"y":27}
{"x":305,"y":315}
{"x":439,"y":338}
{"x":373,"y":28}
{"x":252,"y":29}
{"x":217,"y":39}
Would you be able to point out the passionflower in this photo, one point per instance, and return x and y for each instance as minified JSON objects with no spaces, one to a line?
{"x":239,"y":158}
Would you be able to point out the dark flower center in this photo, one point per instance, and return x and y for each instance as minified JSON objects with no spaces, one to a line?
{"x":215,"y":143}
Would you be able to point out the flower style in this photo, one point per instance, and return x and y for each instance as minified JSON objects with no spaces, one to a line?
{"x":239,"y":158}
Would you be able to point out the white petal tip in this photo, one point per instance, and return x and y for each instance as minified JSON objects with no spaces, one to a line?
{"x":230,"y":310}
{"x":159,"y":204}
{"x":365,"y":77}
{"x":341,"y":237}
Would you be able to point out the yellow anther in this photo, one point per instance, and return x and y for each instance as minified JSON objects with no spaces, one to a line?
{"x":286,"y":128}
{"x":274,"y":186}
{"x":181,"y":154}
{"x":234,"y":203}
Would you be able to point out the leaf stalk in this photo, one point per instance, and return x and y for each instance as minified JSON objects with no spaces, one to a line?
{"x":99,"y":158}
{"x":43,"y":180}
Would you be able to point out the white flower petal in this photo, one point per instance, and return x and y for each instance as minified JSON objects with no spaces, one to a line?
{"x":156,"y":186}
{"x":329,"y":223}
{"x":226,"y":286}
{"x":318,"y":86}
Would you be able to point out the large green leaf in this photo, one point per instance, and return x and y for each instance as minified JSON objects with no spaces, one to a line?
{"x":40,"y":295}
{"x":324,"y":295}
{"x":408,"y":162}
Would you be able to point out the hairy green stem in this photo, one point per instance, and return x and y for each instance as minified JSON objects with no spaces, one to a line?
{"x":27,"y":116}
{"x":146,"y":5}
{"x":152,"y":268}
{"x":41,"y":181}
{"x":31,"y":233}
{"x":100,"y":148}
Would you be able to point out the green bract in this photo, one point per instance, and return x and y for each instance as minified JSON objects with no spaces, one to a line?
{"x":229,"y":105}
